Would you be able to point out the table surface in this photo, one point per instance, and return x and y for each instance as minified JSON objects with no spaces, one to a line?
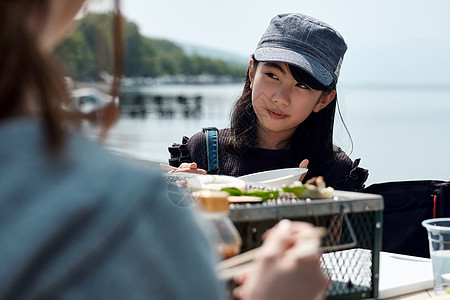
{"x":421,"y":295}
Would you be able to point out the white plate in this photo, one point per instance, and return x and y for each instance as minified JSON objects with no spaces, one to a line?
{"x":275,"y":177}
{"x":215,"y":182}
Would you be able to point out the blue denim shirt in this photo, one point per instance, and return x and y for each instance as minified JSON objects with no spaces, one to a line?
{"x":88,"y":225}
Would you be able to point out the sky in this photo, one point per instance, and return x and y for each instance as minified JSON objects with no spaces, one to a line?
{"x":410,"y":38}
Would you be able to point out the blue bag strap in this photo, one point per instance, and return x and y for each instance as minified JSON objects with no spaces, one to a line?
{"x":212,"y":149}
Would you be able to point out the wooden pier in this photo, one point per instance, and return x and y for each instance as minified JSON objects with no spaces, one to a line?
{"x":137,"y":104}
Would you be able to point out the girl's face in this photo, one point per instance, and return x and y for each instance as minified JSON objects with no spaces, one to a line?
{"x":279,"y":101}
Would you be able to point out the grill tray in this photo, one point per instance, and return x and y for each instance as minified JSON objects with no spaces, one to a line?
{"x":352,"y":244}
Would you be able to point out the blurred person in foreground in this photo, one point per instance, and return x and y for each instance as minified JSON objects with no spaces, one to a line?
{"x":76,"y":222}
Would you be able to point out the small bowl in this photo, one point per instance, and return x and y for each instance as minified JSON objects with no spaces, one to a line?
{"x":215,"y":182}
{"x":276,"y":177}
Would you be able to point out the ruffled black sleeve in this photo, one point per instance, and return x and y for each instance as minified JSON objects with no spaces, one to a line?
{"x":191,"y":149}
{"x":354,"y":179}
{"x":340,"y":172}
{"x":179,"y":153}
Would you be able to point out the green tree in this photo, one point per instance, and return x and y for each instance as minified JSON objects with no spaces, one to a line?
{"x":97,"y":29}
{"x":88,"y":51}
{"x":77,"y":56}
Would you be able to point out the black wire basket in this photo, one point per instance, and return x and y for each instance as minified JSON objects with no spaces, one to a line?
{"x":351,"y":247}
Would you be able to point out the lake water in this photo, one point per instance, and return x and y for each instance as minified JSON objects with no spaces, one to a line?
{"x":399,"y":134}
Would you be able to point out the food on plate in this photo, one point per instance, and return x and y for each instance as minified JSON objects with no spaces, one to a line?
{"x":314,"y":188}
{"x":263,"y":194}
{"x":244,"y":199}
{"x":297,"y":188}
{"x":317,"y":189}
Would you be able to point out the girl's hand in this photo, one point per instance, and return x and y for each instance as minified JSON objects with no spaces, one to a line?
{"x":278,"y":273}
{"x":303,"y":164}
{"x":189,"y":168}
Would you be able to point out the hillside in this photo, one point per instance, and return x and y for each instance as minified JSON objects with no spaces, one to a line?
{"x":87,"y":52}
{"x":229,"y":58}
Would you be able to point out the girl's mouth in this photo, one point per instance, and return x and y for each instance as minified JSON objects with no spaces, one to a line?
{"x":276,"y":115}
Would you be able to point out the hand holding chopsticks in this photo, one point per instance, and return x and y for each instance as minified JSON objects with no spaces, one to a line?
{"x":286,"y":266}
{"x":236,"y":265}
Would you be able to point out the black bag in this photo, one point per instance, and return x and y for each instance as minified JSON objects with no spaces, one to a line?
{"x":406,"y":205}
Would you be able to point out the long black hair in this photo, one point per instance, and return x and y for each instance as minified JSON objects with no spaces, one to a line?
{"x":313,"y":138}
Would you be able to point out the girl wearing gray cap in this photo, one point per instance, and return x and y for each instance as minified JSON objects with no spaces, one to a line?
{"x":285,"y":115}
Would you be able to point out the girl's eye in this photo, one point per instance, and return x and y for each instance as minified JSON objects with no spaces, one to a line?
{"x":271,"y":75}
{"x":302,"y":86}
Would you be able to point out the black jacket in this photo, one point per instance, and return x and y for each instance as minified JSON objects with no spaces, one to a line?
{"x":338,"y":171}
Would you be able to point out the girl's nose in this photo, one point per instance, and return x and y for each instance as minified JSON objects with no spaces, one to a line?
{"x":281,"y":96}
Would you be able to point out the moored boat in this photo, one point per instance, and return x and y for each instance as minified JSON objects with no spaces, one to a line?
{"x":89,"y":102}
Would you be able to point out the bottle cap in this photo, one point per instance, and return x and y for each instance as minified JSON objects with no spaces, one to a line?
{"x":214,"y":201}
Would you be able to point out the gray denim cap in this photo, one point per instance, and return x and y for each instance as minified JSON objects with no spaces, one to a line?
{"x":304,"y":42}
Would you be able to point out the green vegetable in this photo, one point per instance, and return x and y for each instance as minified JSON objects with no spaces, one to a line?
{"x":232,"y":191}
{"x":265,"y":195}
{"x":296,"y":190}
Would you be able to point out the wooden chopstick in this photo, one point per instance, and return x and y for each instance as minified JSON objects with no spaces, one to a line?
{"x":228,"y":274}
{"x":232,"y":267}
{"x":237,"y":260}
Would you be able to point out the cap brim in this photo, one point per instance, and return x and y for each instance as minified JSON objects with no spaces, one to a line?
{"x":304,"y":62}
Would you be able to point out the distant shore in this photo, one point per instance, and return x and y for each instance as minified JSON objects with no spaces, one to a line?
{"x":132,"y":83}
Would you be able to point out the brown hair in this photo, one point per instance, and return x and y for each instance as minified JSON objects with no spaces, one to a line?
{"x":28,"y":69}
